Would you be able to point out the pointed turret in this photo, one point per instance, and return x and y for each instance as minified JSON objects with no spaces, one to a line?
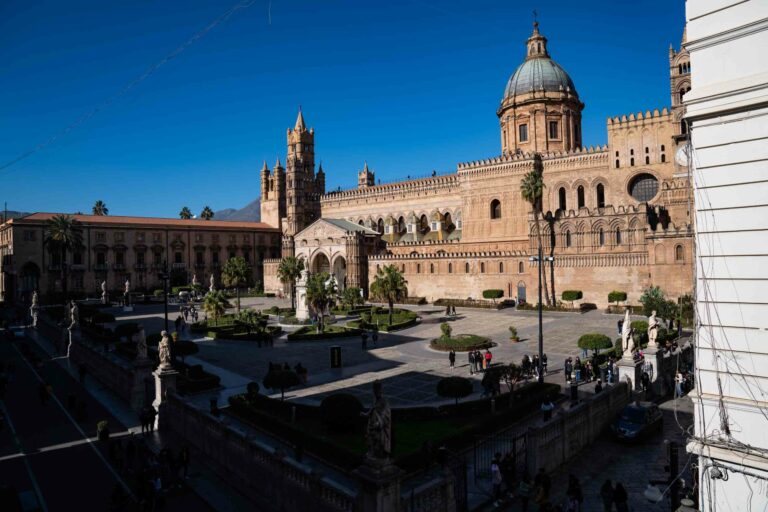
{"x":278,"y":164}
{"x":264,"y":167}
{"x":537,"y":44}
{"x":365,"y":178}
{"x":300,"y":126}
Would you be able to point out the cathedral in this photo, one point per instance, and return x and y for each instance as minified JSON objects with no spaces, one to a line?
{"x":614,"y":217}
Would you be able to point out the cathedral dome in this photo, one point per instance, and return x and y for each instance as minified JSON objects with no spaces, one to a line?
{"x":538,"y":73}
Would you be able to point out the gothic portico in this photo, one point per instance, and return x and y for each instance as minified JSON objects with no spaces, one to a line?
{"x":339,"y":247}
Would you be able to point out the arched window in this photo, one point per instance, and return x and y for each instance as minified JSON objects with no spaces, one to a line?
{"x":679,"y":254}
{"x":647,"y":160}
{"x":600,"y":195}
{"x":495,"y":209}
{"x":520,"y":268}
{"x":568,"y":238}
{"x":561,"y":199}
{"x":418,"y":268}
{"x":482,"y":267}
{"x":683,"y":127}
{"x":646,"y":150}
{"x":618,"y":236}
{"x":450,"y":268}
{"x":617,"y":163}
{"x":501,"y":267}
{"x":380,"y":226}
{"x":431,"y":268}
{"x":663,"y":158}
{"x":580,"y":196}
{"x":402,"y":268}
{"x":401,"y":225}
{"x":601,"y":237}
{"x":424,"y":224}
{"x":361,"y":222}
{"x":631,"y":162}
{"x":466,"y":268}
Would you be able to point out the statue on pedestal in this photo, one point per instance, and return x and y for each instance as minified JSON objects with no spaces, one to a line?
{"x":378,"y":433}
{"x":104,"y":296}
{"x":127,"y":293}
{"x":627,"y":342}
{"x":141,"y":345}
{"x":34,"y":309}
{"x":74,"y":316}
{"x":164,"y":352}
{"x":212,"y":287}
{"x":653,"y":329}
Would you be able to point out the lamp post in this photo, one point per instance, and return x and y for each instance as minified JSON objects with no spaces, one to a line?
{"x":164,"y":277}
{"x":541,"y":259}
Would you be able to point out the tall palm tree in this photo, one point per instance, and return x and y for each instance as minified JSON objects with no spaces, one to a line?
{"x":532,"y":190}
{"x":215,"y":304}
{"x":321,"y":290}
{"x":100,"y":208}
{"x":207,"y":213}
{"x":63,"y":234}
{"x":288,"y":272}
{"x":236,"y":272}
{"x":551,"y":218}
{"x":389,"y":285}
{"x":185,"y":213}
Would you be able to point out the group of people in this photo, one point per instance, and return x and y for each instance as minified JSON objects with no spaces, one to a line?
{"x":450,"y":311}
{"x":530,"y":365}
{"x":189,"y":312}
{"x":588,"y":370}
{"x":298,"y":368}
{"x":373,"y":334}
{"x":478,"y":361}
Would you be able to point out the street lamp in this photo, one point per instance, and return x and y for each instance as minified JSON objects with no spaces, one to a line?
{"x":541,"y":259}
{"x":163,"y":276}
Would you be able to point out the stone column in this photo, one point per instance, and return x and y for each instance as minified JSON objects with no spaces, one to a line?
{"x":142,"y":370}
{"x":165,"y":379}
{"x":379,"y":486}
{"x":302,"y":310}
{"x":354,"y":261}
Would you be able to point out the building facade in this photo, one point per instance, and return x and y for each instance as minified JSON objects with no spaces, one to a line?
{"x":617,"y":216}
{"x":116,"y":249}
{"x":727,"y":110}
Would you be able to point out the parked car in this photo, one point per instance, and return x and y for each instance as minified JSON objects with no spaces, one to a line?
{"x":637,"y":420}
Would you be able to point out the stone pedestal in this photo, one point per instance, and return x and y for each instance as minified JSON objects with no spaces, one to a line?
{"x":165,"y":379}
{"x":379,"y":486}
{"x":629,"y":369}
{"x":142,"y":370}
{"x":654,"y":365}
{"x":302,"y":310}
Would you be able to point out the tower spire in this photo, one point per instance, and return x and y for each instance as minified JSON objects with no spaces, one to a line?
{"x":537,"y":43}
{"x":300,"y":126}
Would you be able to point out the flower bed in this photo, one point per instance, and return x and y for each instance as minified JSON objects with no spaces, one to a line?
{"x":309,"y":333}
{"x":401,"y":319}
{"x":461,"y":343}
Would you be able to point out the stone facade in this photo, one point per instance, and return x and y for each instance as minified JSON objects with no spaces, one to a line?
{"x":619,"y":214}
{"x":118,"y":248}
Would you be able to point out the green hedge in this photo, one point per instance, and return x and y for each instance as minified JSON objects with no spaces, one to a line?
{"x":401,"y":319}
{"x":595,"y":341}
{"x":461,"y":343}
{"x":309,"y":333}
{"x":493,"y":294}
{"x":572,"y":295}
{"x":617,"y":296}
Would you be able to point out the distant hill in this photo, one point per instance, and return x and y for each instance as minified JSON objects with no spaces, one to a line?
{"x":250,"y":212}
{"x":12,"y":214}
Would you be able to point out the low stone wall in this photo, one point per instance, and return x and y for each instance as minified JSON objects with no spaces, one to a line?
{"x":263,"y":474}
{"x":561,"y":439}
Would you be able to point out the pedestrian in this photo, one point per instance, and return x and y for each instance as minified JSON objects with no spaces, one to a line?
{"x":452,"y":359}
{"x":364,"y":340}
{"x":151,"y":419}
{"x":471,"y":359}
{"x":478,"y":361}
{"x":619,"y":325}
{"x":488,"y":358}
{"x":610,"y":370}
{"x":546,"y":408}
{"x":568,"y":369}
{"x":606,"y":494}
{"x":678,"y":385}
{"x":177,"y":323}
{"x":645,"y":382}
{"x":524,"y":491}
{"x":496,"y":479}
{"x":453,"y":311}
{"x":535,"y":365}
{"x":143,"y":419}
{"x":184,"y":460}
{"x":508,"y":472}
{"x":598,"y":386}
{"x":447,"y":311}
{"x":577,"y":369}
{"x":526,"y":365}
{"x":620,"y":498}
{"x":544,"y":363}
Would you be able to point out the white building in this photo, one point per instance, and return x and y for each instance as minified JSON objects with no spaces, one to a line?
{"x":727,"y":112}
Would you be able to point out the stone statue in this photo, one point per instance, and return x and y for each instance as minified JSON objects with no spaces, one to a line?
{"x":34,"y":309}
{"x":379,"y":430}
{"x":74,"y":316}
{"x":194,"y":280}
{"x":104,"y":292}
{"x":141,"y":344}
{"x":653,"y":329}
{"x":164,"y":351}
{"x":627,"y":342}
{"x":212,"y":287}
{"x":127,"y":292}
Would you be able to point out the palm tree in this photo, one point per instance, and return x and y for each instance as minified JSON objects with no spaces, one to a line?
{"x":532,"y":190}
{"x":207,"y":213}
{"x":321,"y":290}
{"x":100,"y":208}
{"x":288,"y":272}
{"x":215,"y":304}
{"x":551,"y":218}
{"x":389,"y":285}
{"x":63,"y":234}
{"x":185,"y":213}
{"x":236,"y":272}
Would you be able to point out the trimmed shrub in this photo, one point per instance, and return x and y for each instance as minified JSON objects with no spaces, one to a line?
{"x":158,"y":293}
{"x":341,"y":411}
{"x":309,"y":333}
{"x":587,"y":306}
{"x":513,"y":333}
{"x":617,"y":296}
{"x":595,"y":342}
{"x":454,"y":387}
{"x":639,"y":326}
{"x":461,"y":343}
{"x":572,"y":295}
{"x":493,"y":294}
{"x":472,"y":303}
{"x":445,"y":328}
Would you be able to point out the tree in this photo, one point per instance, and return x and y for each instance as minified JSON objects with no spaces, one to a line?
{"x":550,"y":219}
{"x":454,"y":387}
{"x":100,"y":208}
{"x":617,"y":296}
{"x":595,"y":342}
{"x":321,"y":290}
{"x":207,"y":213}
{"x":389,"y":285}
{"x":277,"y":378}
{"x":237,"y":273}
{"x":215,"y":304}
{"x":572,"y":295}
{"x":351,"y":297}
{"x":185,"y":213}
{"x":63,"y":234}
{"x":446,"y":329}
{"x":513,"y":336}
{"x":653,"y":299}
{"x":288,"y":272}
{"x":493,"y":294}
{"x":532,"y":190}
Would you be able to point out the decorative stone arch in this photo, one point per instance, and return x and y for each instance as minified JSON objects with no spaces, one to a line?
{"x":567,"y":231}
{"x":593,"y":191}
{"x":581,"y":234}
{"x":457,"y":218}
{"x":575,"y":187}
{"x":679,"y":253}
{"x":554,"y":195}
{"x":380,"y":225}
{"x":320,"y":261}
{"x":339,"y":270}
{"x":628,"y":180}
{"x":495,"y":211}
{"x":634,"y":231}
{"x":600,"y":233}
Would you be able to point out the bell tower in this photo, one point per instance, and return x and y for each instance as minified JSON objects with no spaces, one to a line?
{"x":679,"y":83}
{"x":303,"y":188}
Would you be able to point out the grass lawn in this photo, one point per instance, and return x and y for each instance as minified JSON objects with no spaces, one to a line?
{"x":461,"y":342}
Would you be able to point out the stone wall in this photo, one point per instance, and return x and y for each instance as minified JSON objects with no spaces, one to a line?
{"x":272,"y":283}
{"x":558,"y":441}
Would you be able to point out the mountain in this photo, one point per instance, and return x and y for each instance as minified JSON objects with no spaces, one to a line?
{"x":250,"y":212}
{"x":11,"y":214}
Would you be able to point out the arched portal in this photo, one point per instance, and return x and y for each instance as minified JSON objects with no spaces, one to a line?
{"x":320,"y":264}
{"x":521,"y":292}
{"x":340,"y":272}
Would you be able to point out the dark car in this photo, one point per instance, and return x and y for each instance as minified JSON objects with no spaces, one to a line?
{"x":637,"y":420}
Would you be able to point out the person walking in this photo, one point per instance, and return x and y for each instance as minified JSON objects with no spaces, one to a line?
{"x":568,"y":369}
{"x":471,"y":360}
{"x":177,"y":323}
{"x":620,"y":498}
{"x":544,"y":363}
{"x":452,"y":359}
{"x":488,"y":358}
{"x":678,"y":385}
{"x":606,"y":494}
{"x":575,"y":496}
{"x":375,"y":337}
{"x":546,"y":408}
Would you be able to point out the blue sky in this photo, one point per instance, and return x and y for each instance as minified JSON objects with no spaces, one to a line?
{"x":408,"y":85}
